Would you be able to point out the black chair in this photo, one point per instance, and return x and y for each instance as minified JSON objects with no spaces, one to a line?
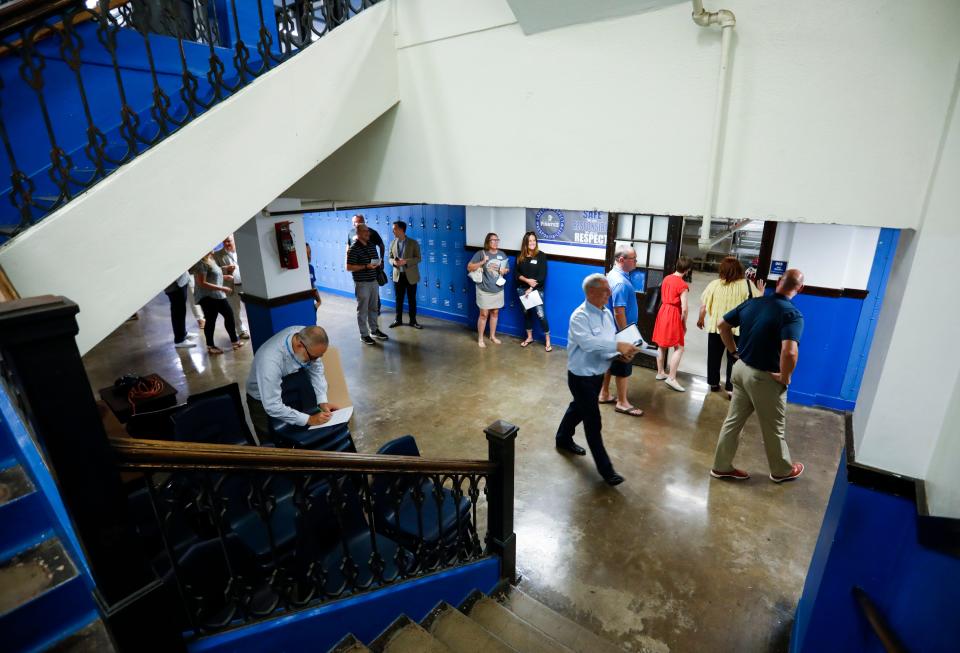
{"x":438,"y":519}
{"x":212,"y":420}
{"x":325,"y":533}
{"x":233,"y":392}
{"x":154,"y":425}
{"x":296,"y":391}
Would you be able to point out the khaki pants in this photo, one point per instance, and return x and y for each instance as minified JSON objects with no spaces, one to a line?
{"x":755,"y":390}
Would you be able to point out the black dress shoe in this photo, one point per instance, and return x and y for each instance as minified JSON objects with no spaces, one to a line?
{"x":573,"y":448}
{"x":379,"y":335}
{"x":396,"y":324}
{"x":715,"y":388}
{"x":416,"y":325}
{"x":613,"y":479}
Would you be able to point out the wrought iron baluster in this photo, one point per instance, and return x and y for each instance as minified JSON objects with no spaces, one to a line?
{"x":376,"y":562}
{"x":338,"y":503}
{"x":21,"y":186}
{"x":264,"y":43}
{"x":476,"y":548}
{"x":161,"y":102}
{"x":71,"y":45}
{"x":419,"y":497}
{"x":394,"y":494}
{"x":215,"y":505}
{"x":242,"y":55}
{"x":285,"y":26}
{"x":457,"y":494}
{"x":263,"y":502}
{"x":438,"y":481}
{"x":107,"y":28}
{"x":163,"y":525}
{"x":31,"y":71}
{"x":313,"y":577}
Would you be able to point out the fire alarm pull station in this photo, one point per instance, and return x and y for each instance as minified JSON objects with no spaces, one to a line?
{"x":286,"y":246}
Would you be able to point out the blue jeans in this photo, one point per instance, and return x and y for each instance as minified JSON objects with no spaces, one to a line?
{"x":535,"y":311}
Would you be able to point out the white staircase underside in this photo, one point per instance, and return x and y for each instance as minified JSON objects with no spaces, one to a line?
{"x":116,"y":246}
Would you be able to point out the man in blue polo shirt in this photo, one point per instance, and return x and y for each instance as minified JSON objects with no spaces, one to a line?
{"x":770,"y":330}
{"x":623,"y":305}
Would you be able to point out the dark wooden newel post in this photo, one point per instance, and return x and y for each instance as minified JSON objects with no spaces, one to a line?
{"x":37,"y":343}
{"x":502,"y":541}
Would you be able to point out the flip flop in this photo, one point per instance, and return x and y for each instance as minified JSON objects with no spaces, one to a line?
{"x":525,"y":343}
{"x":214,"y":351}
{"x":611,"y":400}
{"x":237,"y":345}
{"x":548,"y":348}
{"x":632,"y":412}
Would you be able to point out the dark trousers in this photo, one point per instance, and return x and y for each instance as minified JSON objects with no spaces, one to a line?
{"x":401,"y":288}
{"x":537,"y":312}
{"x":178,"y":313}
{"x":584,"y":408}
{"x":213,"y":307}
{"x":715,"y":351}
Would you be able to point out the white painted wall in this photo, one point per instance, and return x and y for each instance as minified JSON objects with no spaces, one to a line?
{"x":120,"y":243}
{"x":510,"y":224}
{"x":835,"y":114}
{"x":906,"y":419}
{"x":831,"y":256}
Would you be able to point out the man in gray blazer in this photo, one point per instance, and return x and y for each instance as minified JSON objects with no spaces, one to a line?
{"x":405,"y":259}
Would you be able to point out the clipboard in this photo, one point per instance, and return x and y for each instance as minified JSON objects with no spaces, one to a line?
{"x":630,"y":334}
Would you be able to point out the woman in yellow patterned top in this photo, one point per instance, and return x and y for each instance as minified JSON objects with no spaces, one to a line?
{"x":720,"y":297}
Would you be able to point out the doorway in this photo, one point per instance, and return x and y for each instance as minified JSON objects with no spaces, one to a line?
{"x":740,"y":238}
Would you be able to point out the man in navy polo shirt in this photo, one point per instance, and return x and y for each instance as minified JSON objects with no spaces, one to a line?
{"x":770,"y":330}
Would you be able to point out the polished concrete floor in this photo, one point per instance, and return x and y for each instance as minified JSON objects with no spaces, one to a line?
{"x":671,"y":560}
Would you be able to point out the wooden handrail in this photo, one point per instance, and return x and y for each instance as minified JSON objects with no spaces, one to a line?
{"x":7,"y":291}
{"x":18,"y":14}
{"x":159,"y":455}
{"x":22,"y":20}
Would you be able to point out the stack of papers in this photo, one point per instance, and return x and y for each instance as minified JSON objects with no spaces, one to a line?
{"x":341,"y":416}
{"x":531,"y":300}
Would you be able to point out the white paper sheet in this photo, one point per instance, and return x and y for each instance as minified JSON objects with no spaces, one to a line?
{"x":630,"y":334}
{"x":341,"y":416}
{"x":531,"y":300}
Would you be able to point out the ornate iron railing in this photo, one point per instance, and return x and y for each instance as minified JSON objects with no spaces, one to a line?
{"x":245,"y":533}
{"x":87,"y":86}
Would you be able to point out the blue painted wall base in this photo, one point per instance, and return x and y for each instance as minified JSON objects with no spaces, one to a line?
{"x":869,"y":539}
{"x":365,"y":615}
{"x":264,"y":321}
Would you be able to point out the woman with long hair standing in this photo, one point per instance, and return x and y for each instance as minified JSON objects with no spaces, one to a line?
{"x":490,"y":288}
{"x":671,"y":325}
{"x":211,"y":294}
{"x":719,"y":298}
{"x":532,"y":278}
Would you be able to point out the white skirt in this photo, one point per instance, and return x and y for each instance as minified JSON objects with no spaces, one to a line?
{"x":487,"y":300}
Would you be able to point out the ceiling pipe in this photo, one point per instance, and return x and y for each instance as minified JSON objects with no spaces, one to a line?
{"x":727,"y":21}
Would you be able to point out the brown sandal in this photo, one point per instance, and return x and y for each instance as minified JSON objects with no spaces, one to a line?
{"x":237,"y":345}
{"x":214,"y":351}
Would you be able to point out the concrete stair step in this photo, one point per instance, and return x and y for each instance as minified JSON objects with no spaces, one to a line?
{"x":572,"y":635}
{"x":93,"y":638}
{"x":513,"y":630}
{"x":22,"y":517}
{"x":406,"y":636}
{"x":461,"y":634}
{"x":349,"y":644}
{"x":37,"y":586}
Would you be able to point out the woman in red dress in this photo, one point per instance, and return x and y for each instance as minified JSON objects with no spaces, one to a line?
{"x":671,"y":323}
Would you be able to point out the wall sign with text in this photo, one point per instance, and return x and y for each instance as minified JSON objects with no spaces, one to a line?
{"x":581,"y":228}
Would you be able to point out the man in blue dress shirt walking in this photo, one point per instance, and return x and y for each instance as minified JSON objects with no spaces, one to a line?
{"x":591,"y":345}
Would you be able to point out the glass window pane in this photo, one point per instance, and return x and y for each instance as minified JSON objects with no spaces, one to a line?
{"x":617,"y":244}
{"x":654,"y":279}
{"x":660,"y":225}
{"x":641,"y":227}
{"x":625,"y":227}
{"x":641,"y":254}
{"x":657,"y":254}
